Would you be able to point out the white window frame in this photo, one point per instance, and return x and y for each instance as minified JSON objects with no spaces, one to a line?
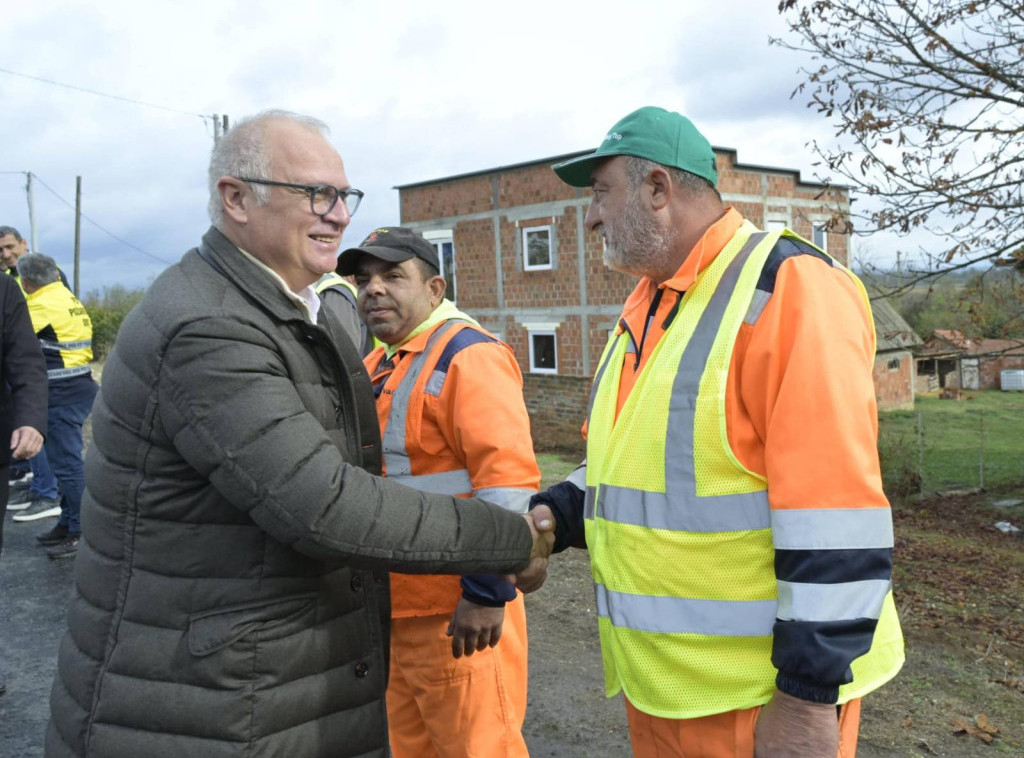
{"x":823,"y":226}
{"x":528,"y":230}
{"x":530,"y":334}
{"x":771,"y":224}
{"x":438,"y":238}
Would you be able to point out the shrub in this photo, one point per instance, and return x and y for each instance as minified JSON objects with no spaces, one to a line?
{"x":107,"y":310}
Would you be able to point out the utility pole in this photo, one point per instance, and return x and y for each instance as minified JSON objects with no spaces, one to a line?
{"x":220,"y":126}
{"x":78,"y":228}
{"x":31,"y":214}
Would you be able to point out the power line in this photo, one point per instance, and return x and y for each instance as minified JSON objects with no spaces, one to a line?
{"x":103,"y":94}
{"x":97,"y":225}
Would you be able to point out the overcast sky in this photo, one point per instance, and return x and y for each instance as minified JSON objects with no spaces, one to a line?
{"x":412,"y":91}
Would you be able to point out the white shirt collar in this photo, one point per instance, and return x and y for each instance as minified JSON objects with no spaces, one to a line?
{"x":306,"y":299}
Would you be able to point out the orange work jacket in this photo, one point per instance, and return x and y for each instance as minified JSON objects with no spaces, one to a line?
{"x":465,"y":432}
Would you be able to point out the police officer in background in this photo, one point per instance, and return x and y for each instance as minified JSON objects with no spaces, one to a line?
{"x":64,"y":330}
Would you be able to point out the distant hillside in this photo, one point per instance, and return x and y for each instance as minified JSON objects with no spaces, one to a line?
{"x":986,"y":304}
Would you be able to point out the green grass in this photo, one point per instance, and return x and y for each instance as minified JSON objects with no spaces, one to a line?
{"x":978,"y":441}
{"x":554,"y":468}
{"x":974,"y":442}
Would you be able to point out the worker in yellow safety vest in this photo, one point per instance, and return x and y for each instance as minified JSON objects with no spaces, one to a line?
{"x":338,"y":294}
{"x":731,"y":498}
{"x":64,"y":329}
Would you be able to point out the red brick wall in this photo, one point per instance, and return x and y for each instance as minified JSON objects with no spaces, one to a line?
{"x":557,"y":406}
{"x":454,"y":197}
{"x":536,"y":184}
{"x":894,"y":388}
{"x":530,"y":185}
{"x":543,"y":287}
{"x":475,"y":276}
{"x":990,"y":370}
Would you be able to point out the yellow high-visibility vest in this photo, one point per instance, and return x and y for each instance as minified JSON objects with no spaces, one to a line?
{"x":64,"y":330}
{"x":681,"y":534}
{"x":331,"y":279}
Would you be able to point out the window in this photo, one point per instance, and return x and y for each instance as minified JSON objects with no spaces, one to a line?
{"x":774,"y":224}
{"x":442,"y":240}
{"x":537,"y":248}
{"x":820,"y":236}
{"x":894,"y":364}
{"x":543,"y":352}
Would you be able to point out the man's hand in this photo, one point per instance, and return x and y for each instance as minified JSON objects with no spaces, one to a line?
{"x":788,"y":727}
{"x":26,"y":442}
{"x":542,"y":525}
{"x":474,"y":627}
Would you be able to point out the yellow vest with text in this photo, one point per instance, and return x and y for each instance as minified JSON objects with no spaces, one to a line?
{"x":679,"y":532}
{"x":64,"y":330}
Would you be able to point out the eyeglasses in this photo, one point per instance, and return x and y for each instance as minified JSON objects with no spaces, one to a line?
{"x":322,"y":197}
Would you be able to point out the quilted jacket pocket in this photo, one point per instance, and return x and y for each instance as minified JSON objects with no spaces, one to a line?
{"x":213,"y":630}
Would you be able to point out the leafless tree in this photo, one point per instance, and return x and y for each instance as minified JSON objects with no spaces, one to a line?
{"x":927,"y":98}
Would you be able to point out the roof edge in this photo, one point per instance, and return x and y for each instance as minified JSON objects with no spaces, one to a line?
{"x":568,"y":156}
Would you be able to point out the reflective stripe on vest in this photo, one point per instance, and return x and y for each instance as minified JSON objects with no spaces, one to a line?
{"x":685,"y":615}
{"x":64,"y":373}
{"x":679,"y":508}
{"x":64,"y":329}
{"x":443,"y":483}
{"x":396,"y":458}
{"x":58,"y":346}
{"x":515,"y":499}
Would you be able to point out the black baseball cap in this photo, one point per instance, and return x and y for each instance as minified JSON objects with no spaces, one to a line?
{"x":389,"y":243}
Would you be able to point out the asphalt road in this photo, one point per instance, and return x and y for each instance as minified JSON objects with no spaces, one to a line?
{"x":34,"y":591}
{"x":567,"y":714}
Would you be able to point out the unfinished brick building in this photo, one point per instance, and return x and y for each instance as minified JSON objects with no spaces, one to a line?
{"x":517,"y":258}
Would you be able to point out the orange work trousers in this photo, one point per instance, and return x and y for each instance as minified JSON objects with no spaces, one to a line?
{"x":723,"y":735}
{"x":472,"y":707}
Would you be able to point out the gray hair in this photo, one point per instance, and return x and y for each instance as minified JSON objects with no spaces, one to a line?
{"x":5,"y":230}
{"x":638,"y":168}
{"x":242,"y":151}
{"x":38,"y":270}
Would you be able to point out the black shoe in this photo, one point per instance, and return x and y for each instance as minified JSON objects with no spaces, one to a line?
{"x":19,"y":476}
{"x":67,"y":548}
{"x":53,"y":537}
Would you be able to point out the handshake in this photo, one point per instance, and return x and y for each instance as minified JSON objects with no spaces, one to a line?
{"x":542,"y":527}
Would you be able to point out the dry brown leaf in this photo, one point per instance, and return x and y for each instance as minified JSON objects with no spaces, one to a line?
{"x":963,"y":727}
{"x":983,"y":723}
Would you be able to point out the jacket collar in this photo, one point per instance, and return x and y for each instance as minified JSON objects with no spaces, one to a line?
{"x":224,"y":256}
{"x":717,"y":236}
{"x":416,"y":340}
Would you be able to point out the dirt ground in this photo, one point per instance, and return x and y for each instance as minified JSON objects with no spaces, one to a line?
{"x":959,"y":588}
{"x":960,"y":592}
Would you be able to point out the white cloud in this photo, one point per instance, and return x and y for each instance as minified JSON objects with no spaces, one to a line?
{"x":412,"y":91}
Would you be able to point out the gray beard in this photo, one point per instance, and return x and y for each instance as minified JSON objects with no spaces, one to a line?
{"x":636,"y":243}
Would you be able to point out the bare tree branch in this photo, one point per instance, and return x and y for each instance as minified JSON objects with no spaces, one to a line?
{"x":927,"y":101}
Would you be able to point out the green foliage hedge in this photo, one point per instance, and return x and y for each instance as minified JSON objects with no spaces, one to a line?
{"x":107,"y":310}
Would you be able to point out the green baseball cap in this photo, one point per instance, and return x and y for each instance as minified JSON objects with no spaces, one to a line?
{"x":662,"y":136}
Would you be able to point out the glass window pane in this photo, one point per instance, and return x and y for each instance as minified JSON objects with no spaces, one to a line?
{"x":447,"y":256}
{"x":820,"y":238}
{"x":538,"y":247}
{"x":544,"y":351}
